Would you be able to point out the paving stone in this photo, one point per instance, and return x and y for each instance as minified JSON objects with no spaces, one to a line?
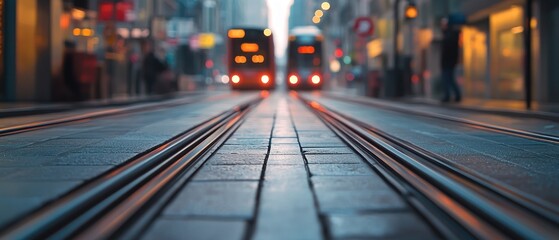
{"x":58,"y":173}
{"x":348,"y":201}
{"x":237,"y":149}
{"x":276,"y":140}
{"x":196,"y":229}
{"x":333,"y":158}
{"x":398,"y":225}
{"x":236,"y":159}
{"x":285,"y":149}
{"x":229,"y":172}
{"x":340,"y":169}
{"x":285,"y":172}
{"x":249,"y":141}
{"x":369,"y":183}
{"x":327,"y":150}
{"x":230,"y":199}
{"x":285,"y":160}
{"x":325,"y":140}
{"x":287,"y":211}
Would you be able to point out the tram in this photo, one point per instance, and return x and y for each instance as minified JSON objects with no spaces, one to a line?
{"x":305,"y":59}
{"x":250,"y":58}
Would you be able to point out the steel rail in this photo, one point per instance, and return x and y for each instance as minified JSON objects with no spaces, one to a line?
{"x":103,"y":207}
{"x":27,"y":127}
{"x":475,"y":124}
{"x":484,"y":211}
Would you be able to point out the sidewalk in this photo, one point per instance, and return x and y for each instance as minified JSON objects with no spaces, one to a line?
{"x":13,"y":109}
{"x":515,"y":107}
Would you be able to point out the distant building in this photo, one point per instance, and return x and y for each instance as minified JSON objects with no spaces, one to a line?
{"x":246,"y":13}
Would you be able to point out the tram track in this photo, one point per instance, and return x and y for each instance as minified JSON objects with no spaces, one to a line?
{"x":467,"y":122}
{"x":78,"y":118}
{"x":456,"y":201}
{"x":123,"y":201}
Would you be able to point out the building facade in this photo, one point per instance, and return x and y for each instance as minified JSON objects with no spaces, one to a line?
{"x":493,"y":53}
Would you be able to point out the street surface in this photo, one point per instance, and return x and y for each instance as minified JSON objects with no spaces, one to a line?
{"x":283,"y":174}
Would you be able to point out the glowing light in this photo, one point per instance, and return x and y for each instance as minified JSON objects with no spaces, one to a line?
{"x":267,"y":32}
{"x":335,"y":66}
{"x":338,"y":53}
{"x":206,"y":40}
{"x":257,"y":59}
{"x":316,"y":20}
{"x":265,"y":79}
{"x":77,"y":32}
{"x":517,"y":30}
{"x":86,"y":32}
{"x":315,"y":105}
{"x":209,"y":63}
{"x":347,"y":60}
{"x":374,"y":48}
{"x":411,"y":12}
{"x":249,"y":47}
{"x":236,"y":33}
{"x":225,"y":79}
{"x":315,"y":79}
{"x":534,"y":23}
{"x":235,"y":79}
{"x":325,"y":6}
{"x":78,"y":14}
{"x":319,"y":13}
{"x":305,"y":49}
{"x":293,"y":79}
{"x":240,"y":59}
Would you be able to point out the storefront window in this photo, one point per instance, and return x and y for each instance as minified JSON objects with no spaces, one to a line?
{"x":506,"y":54}
{"x":475,"y":62}
{"x":509,"y":63}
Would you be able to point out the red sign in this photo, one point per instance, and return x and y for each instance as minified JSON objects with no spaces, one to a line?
{"x":363,"y":27}
{"x":107,"y":11}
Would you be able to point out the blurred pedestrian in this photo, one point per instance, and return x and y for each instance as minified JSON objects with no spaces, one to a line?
{"x":449,"y":59}
{"x":69,"y":70}
{"x":152,"y":66}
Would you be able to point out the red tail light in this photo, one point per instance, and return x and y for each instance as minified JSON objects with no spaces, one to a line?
{"x":315,"y":79}
{"x":293,"y":79}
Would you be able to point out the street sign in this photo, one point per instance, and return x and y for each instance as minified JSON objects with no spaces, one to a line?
{"x":363,"y":27}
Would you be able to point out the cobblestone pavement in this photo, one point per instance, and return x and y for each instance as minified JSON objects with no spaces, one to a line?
{"x":284,"y":175}
{"x":39,"y":166}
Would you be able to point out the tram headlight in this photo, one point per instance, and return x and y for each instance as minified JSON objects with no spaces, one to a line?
{"x":315,"y":79}
{"x":293,"y":79}
{"x":235,"y":79}
{"x":265,"y":79}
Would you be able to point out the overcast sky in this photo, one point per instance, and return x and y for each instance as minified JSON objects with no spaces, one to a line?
{"x":278,"y":19}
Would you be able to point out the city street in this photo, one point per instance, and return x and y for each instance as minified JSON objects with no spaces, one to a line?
{"x":280,"y":172}
{"x":279,"y":119}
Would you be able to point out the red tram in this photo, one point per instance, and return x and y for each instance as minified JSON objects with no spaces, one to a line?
{"x":304,"y":62}
{"x":250,"y":58}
